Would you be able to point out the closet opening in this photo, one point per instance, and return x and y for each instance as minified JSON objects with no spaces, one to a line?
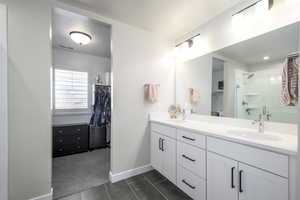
{"x":80,"y":102}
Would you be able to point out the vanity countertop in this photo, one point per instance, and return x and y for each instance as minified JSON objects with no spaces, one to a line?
{"x":272,"y":141}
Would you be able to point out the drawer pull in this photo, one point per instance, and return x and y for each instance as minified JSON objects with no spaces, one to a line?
{"x":60,"y":141}
{"x":193,"y":187}
{"x":78,"y":129}
{"x":188,"y":158}
{"x":78,"y":138}
{"x":60,"y":149}
{"x":188,"y":138}
{"x":60,"y":131}
{"x":78,"y":147}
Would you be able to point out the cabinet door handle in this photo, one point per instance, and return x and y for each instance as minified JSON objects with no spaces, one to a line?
{"x":162,"y":145}
{"x":232,"y":177}
{"x":159,"y":144}
{"x":240,"y":184}
{"x":188,"y":158}
{"x":188,"y":138}
{"x":193,"y":187}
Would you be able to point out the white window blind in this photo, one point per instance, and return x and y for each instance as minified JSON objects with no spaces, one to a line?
{"x":71,"y":89}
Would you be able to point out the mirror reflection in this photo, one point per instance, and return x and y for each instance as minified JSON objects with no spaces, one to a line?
{"x":252,"y":79}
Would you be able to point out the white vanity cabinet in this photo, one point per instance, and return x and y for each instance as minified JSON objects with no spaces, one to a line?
{"x":258,"y":178}
{"x":221,"y":178}
{"x":208,"y":168}
{"x":260,"y":185}
{"x":163,"y":151}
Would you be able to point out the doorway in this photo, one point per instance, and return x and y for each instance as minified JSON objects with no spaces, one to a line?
{"x":81,"y":102}
{"x":217,"y":98}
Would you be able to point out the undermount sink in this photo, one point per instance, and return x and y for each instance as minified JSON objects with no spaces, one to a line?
{"x":254,"y":135}
{"x":176,"y":120}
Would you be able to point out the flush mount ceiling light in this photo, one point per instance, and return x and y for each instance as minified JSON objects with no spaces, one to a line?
{"x":266,"y":57}
{"x":80,"y":37}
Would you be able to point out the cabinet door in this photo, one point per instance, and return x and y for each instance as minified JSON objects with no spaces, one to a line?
{"x":261,"y":185}
{"x":156,"y":152}
{"x":221,"y":178}
{"x":169,"y":158}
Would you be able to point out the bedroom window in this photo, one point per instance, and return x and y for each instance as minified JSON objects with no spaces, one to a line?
{"x":70,"y":89}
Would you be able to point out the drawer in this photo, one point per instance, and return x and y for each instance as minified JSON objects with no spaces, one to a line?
{"x":192,"y":185}
{"x":164,"y":130}
{"x":61,"y":150}
{"x":191,"y":138}
{"x":70,"y":139}
{"x":192,"y":158}
{"x":67,"y":130}
{"x":266,"y":160}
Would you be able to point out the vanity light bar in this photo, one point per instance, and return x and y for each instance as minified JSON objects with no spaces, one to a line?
{"x":271,"y":2}
{"x":189,"y":40}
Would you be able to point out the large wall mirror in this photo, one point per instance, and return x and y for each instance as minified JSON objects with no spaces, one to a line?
{"x":243,"y":80}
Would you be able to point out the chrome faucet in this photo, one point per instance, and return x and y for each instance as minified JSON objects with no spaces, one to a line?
{"x":184,"y":114}
{"x":260,"y":122}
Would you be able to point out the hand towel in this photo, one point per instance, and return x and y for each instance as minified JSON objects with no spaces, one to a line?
{"x":194,"y":95}
{"x":289,"y":92}
{"x":152,"y":92}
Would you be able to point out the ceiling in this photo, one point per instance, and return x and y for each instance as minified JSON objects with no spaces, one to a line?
{"x":169,"y":18}
{"x":277,"y":45}
{"x":64,"y":22}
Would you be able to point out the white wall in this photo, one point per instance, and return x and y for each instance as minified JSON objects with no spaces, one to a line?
{"x":196,"y":73}
{"x":29,"y":61}
{"x":79,"y":62}
{"x":3,"y":105}
{"x":220,"y":31}
{"x":138,"y":58}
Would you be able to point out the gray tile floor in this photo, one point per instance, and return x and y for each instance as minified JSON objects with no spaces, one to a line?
{"x":148,"y":186}
{"x":78,"y":172}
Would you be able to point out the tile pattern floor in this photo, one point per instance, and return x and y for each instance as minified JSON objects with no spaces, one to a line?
{"x":78,"y":172}
{"x":148,"y":186}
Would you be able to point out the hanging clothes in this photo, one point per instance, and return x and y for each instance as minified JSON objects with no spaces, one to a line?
{"x":102,"y":108}
{"x":290,"y":77}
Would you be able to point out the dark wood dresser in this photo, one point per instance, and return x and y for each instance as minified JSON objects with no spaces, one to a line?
{"x":70,"y":139}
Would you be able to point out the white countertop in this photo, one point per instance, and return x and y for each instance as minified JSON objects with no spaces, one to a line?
{"x":286,"y":144}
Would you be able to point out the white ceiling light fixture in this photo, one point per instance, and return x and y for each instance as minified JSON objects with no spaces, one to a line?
{"x":266,"y":57}
{"x":80,"y":38}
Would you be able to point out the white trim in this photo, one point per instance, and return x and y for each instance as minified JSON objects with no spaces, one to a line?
{"x":3,"y":105}
{"x":129,"y":173}
{"x":45,"y":196}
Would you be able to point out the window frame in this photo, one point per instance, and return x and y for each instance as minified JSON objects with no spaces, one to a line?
{"x":68,"y":111}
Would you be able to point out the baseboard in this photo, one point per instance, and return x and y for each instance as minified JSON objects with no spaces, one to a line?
{"x":129,"y":173}
{"x":45,"y":196}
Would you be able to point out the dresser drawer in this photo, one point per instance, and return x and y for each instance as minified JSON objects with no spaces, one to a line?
{"x":191,"y":138}
{"x":63,"y":150}
{"x":269,"y":161}
{"x":164,"y":130}
{"x":192,"y":185}
{"x":72,"y":129}
{"x":70,"y":139}
{"x":192,"y":158}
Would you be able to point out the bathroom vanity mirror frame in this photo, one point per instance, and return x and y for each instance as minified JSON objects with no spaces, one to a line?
{"x":198,"y":88}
